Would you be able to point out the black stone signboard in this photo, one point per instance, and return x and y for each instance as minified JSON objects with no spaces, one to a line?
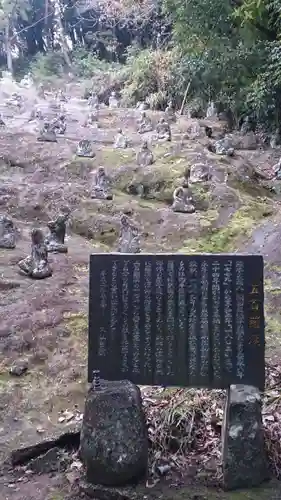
{"x":178,"y":320}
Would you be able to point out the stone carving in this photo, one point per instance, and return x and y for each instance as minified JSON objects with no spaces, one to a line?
{"x":92,"y":118}
{"x":93,"y":101}
{"x":129,"y":241}
{"x":144,"y":155}
{"x":194,"y":130}
{"x":163,"y":130}
{"x":247,"y":125}
{"x":244,"y":456}
{"x":144,"y":123}
{"x":199,"y":172}
{"x":277,"y":170}
{"x":2,"y":123}
{"x":121,"y":141}
{"x":84,"y":149}
{"x":27,"y":81}
{"x":60,"y":96}
{"x":275,"y":139}
{"x":101,"y":189}
{"x":36,"y":114}
{"x":57,"y":230}
{"x":114,"y":442}
{"x":113,"y":102}
{"x":41,"y":91}
{"x":7,"y":233}
{"x":170,"y":112}
{"x":47,"y":134}
{"x":222,"y":147}
{"x":36,"y":265}
{"x":183,"y":200}
{"x":211,"y":110}
{"x":15,"y":101}
{"x":142,"y":106}
{"x":58,"y":124}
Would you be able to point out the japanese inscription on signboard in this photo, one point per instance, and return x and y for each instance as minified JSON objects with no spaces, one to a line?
{"x":179,"y":320}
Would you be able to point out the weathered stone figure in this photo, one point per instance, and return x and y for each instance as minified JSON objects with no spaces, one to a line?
{"x":223,"y":147}
{"x":199,"y":172}
{"x":7,"y":233}
{"x":57,"y":230}
{"x":36,"y":114}
{"x":47,"y":134}
{"x":277,"y":170}
{"x":84,"y":149}
{"x":183,"y":200}
{"x":60,"y":96}
{"x":170,"y":112}
{"x":58,"y":124}
{"x":93,"y":101}
{"x":144,"y":155}
{"x":92,"y":118}
{"x":163,"y":130}
{"x":121,"y":141}
{"x":113,"y":102}
{"x":2,"y":123}
{"x":36,"y":265}
{"x":211,"y":110}
{"x":41,"y":91}
{"x":101,"y":189}
{"x":129,"y":241}
{"x":144,"y":123}
{"x":142,"y":106}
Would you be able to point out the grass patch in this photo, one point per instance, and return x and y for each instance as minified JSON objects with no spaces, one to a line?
{"x":111,"y":157}
{"x":77,"y":323}
{"x":225,"y":239}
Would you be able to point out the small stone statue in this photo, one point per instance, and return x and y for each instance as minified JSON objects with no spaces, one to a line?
{"x":121,"y":141}
{"x":84,"y":149}
{"x":211,"y":110}
{"x":92,"y":118}
{"x":36,"y":114}
{"x":93,"y":101}
{"x":60,"y":96}
{"x":2,"y":123}
{"x":41,"y":91}
{"x":129,"y":237}
{"x":144,"y":123}
{"x":47,"y":134}
{"x":113,"y":101}
{"x":247,"y":125}
{"x":7,"y":233}
{"x":223,"y":147}
{"x":277,"y":170}
{"x":170,"y":112}
{"x":163,"y":130}
{"x":57,"y":230}
{"x":36,"y":265}
{"x":142,"y":106}
{"x":183,"y":200}
{"x":58,"y":124}
{"x":144,"y":156}
{"x":101,"y":190}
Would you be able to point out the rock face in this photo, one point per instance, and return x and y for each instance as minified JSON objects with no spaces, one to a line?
{"x":244,"y":457}
{"x":114,"y":443}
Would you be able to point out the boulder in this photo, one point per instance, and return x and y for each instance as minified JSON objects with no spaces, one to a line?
{"x":114,"y":442}
{"x":243,"y":448}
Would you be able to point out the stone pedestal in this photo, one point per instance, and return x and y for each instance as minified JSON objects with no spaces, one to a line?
{"x":243,"y":450}
{"x":114,"y":442}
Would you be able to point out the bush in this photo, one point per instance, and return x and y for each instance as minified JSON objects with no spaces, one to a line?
{"x":47,"y":67}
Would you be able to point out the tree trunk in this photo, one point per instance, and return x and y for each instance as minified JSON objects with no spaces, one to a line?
{"x":8,"y":47}
{"x":63,"y":42}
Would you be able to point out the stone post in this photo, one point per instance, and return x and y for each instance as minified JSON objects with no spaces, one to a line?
{"x":243,"y":450}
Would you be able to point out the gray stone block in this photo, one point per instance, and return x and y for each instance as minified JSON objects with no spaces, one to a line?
{"x":243,"y":450}
{"x":114,"y":442}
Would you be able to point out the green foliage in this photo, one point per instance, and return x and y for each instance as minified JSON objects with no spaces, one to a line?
{"x":149,"y":75}
{"x":87,"y":65}
{"x":46,"y":67}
